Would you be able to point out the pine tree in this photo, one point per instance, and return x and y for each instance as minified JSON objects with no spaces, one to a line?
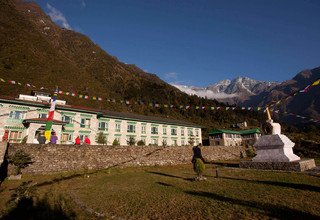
{"x":101,"y":138}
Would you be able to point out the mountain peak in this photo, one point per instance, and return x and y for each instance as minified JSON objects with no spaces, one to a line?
{"x":231,"y":91}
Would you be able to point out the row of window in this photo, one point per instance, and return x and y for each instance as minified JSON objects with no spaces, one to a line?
{"x":103,"y":126}
{"x":233,"y":136}
{"x":68,"y":137}
{"x":16,"y":137}
{"x":219,"y":136}
{"x":131,"y":128}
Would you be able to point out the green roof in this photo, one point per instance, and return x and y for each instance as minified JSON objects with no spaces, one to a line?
{"x":220,"y":131}
{"x":250,"y":131}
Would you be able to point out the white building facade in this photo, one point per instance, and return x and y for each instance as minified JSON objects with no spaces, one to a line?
{"x":221,"y":137}
{"x":23,"y":118}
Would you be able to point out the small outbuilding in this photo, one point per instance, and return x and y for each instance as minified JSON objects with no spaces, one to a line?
{"x":221,"y":137}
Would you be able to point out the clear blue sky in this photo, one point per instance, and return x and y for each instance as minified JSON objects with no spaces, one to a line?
{"x":201,"y":42}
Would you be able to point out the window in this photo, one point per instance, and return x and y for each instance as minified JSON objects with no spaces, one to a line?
{"x":103,"y":126}
{"x":118,"y":139}
{"x":16,"y":114}
{"x":118,"y":127}
{"x":15,"y":137}
{"x":175,"y":143}
{"x":173,"y":131}
{"x":66,"y":137}
{"x":131,"y":129}
{"x":182,"y":132}
{"x":143,"y":129}
{"x":164,"y":142}
{"x":82,"y":137}
{"x":164,"y":131}
{"x":190,"y":133}
{"x":85,"y":123}
{"x":197,"y":133}
{"x":42,"y":115}
{"x":154,"y":130}
{"x":154,"y":141}
{"x":67,"y":119}
{"x":182,"y":142}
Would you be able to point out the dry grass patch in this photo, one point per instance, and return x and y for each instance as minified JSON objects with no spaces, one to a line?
{"x":170,"y":193}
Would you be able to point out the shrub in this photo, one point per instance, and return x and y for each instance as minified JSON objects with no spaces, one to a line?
{"x":20,"y":159}
{"x":140,"y":143}
{"x":101,"y":138}
{"x":250,"y":152}
{"x":131,"y":141}
{"x":199,"y":167}
{"x":191,"y":140}
{"x":115,"y":142}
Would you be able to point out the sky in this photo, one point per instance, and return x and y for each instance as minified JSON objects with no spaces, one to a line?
{"x":200,"y":42}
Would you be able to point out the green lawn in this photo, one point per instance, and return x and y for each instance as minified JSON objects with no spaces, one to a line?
{"x":167,"y":193}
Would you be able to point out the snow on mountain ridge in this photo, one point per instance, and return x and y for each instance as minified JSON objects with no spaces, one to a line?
{"x":232,"y":91}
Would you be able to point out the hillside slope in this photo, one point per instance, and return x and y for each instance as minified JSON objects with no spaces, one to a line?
{"x":306,"y":104}
{"x":34,"y":49}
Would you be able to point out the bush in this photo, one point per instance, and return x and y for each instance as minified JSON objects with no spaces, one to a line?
{"x":141,"y":143}
{"x":250,"y":152}
{"x":20,"y":159}
{"x":191,"y":140}
{"x":131,"y":141}
{"x":115,"y":142}
{"x":101,"y":138}
{"x":199,"y":167}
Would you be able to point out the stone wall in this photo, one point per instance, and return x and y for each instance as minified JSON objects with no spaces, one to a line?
{"x":3,"y":148}
{"x":56,"y":158}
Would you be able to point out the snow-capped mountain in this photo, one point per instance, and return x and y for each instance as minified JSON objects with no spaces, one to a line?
{"x":231,"y":91}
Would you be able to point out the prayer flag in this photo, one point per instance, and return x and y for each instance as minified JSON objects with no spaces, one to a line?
{"x":316,"y":83}
{"x":49,"y":123}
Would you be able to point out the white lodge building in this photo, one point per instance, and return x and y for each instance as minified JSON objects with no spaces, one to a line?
{"x":24,"y":118}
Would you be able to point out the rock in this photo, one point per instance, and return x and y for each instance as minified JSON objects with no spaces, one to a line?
{"x":15,"y":177}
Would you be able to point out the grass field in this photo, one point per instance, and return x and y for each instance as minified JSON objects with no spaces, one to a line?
{"x":163,"y":193}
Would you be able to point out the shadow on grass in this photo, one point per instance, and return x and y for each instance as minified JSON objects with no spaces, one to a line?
{"x":299,"y":186}
{"x":277,"y":211}
{"x":56,"y":180}
{"x":164,"y":184}
{"x":169,"y":175}
{"x":27,"y":208}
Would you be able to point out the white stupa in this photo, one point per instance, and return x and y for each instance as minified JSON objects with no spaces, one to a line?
{"x":275,"y":147}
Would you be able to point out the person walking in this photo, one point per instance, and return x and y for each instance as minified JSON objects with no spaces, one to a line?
{"x":197,"y":154}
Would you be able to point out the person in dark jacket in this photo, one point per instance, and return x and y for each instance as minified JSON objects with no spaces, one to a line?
{"x":41,"y":138}
{"x":197,"y":154}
